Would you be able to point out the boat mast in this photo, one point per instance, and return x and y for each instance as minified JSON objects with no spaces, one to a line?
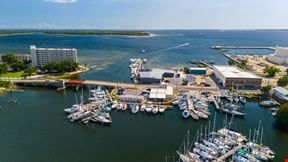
{"x":76,"y":99}
{"x":230,"y":123}
{"x":249,"y":134}
{"x":205,"y":132}
{"x":209,"y":127}
{"x":261,"y":138}
{"x":214,"y":123}
{"x":258,"y":131}
{"x":201,"y":132}
{"x":254,"y":135}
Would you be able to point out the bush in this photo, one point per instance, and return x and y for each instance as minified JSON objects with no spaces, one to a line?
{"x":3,"y":68}
{"x":5,"y":84}
{"x":271,"y":70}
{"x":282,"y":117}
{"x":283,"y":81}
{"x":64,"y":66}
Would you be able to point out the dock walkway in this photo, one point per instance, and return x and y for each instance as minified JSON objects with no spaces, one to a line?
{"x":242,"y":47}
{"x":231,"y":58}
{"x":228,"y":154}
{"x":215,"y":103}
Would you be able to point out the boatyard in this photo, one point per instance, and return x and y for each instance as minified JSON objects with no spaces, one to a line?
{"x":224,"y":144}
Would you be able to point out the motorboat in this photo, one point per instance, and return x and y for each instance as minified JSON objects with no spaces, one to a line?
{"x":161,"y":109}
{"x":155,"y":110}
{"x":143,"y":107}
{"x":185,"y":114}
{"x":135,"y":109}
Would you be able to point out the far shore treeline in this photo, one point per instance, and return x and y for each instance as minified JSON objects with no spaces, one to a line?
{"x":75,"y":32}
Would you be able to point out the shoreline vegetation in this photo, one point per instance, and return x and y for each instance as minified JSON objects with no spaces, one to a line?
{"x":68,"y":75}
{"x":76,"y":32}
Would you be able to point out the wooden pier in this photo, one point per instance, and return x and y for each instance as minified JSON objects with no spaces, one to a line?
{"x":228,"y":154}
{"x":215,"y":103}
{"x":242,"y":47}
{"x":231,"y":58}
{"x":206,"y":64}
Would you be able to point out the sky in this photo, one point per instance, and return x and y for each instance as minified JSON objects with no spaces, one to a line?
{"x":144,"y":14}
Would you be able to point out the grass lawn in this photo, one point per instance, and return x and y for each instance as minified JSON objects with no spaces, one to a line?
{"x":12,"y":74}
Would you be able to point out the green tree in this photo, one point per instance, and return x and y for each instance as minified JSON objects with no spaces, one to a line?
{"x":243,"y":64}
{"x":5,"y":84}
{"x":17,"y":66}
{"x":64,"y":66}
{"x":231,"y":62}
{"x":186,"y":70}
{"x":282,"y":117}
{"x":265,"y":90}
{"x":3,"y":68}
{"x":9,"y":58}
{"x":283,"y":81}
{"x":271,"y":70}
{"x":29,"y":71}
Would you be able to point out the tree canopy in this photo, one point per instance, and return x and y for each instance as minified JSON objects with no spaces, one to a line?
{"x":3,"y":68}
{"x":265,"y":90}
{"x":64,"y":66}
{"x":282,"y":117}
{"x":271,"y":70}
{"x":9,"y":58}
{"x":283,"y":81}
{"x":29,"y":71}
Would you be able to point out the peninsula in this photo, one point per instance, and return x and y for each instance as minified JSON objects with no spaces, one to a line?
{"x":76,"y":32}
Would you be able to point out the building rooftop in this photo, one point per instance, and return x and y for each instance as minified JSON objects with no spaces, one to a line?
{"x":234,"y":72}
{"x":282,"y":90}
{"x":154,"y":73}
{"x":161,"y":93}
{"x":196,"y":68}
{"x":52,"y":49}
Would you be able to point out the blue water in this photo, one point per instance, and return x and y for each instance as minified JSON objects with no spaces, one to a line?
{"x":108,"y":56}
{"x":36,"y":129}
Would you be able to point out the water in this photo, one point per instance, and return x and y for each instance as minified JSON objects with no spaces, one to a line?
{"x":36,"y":129}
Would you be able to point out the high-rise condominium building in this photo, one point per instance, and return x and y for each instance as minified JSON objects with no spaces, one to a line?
{"x":42,"y":56}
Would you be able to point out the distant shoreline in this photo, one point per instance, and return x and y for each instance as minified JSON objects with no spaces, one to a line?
{"x":78,"y":32}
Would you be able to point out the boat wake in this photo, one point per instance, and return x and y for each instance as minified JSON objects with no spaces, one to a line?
{"x":170,"y":48}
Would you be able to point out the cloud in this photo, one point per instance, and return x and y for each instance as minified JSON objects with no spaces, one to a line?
{"x":62,"y":1}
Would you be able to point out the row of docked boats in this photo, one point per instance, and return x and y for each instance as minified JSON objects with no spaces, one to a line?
{"x":222,"y":145}
{"x":134,"y":108}
{"x":193,"y":106}
{"x":135,"y":66}
{"x":96,"y":109}
{"x":232,"y":109}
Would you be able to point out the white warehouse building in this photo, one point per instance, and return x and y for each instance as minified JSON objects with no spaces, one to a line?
{"x":232,"y":76}
{"x":42,"y":56}
{"x":280,"y":56}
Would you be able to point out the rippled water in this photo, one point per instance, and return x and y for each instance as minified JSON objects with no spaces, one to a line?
{"x":36,"y":129}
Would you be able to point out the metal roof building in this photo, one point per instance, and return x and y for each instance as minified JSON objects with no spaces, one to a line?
{"x":281,"y":93}
{"x":153,"y":75}
{"x":234,"y":76}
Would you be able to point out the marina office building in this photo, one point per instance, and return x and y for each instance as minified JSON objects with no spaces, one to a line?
{"x":232,"y":76}
{"x":42,"y":56}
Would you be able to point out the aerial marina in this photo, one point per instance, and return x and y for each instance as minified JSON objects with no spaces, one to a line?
{"x":135,"y":101}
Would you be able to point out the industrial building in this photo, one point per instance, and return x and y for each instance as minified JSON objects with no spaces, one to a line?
{"x":281,"y":93}
{"x":198,"y":71}
{"x":161,"y":93}
{"x":280,"y":56}
{"x":42,"y":56}
{"x":232,"y":76}
{"x":154,"y":75}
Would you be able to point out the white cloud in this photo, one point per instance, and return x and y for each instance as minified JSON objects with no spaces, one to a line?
{"x":62,"y":1}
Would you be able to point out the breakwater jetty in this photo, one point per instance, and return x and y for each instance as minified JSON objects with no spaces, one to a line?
{"x":242,"y":47}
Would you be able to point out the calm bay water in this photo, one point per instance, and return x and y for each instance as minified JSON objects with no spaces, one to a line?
{"x":36,"y":129}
